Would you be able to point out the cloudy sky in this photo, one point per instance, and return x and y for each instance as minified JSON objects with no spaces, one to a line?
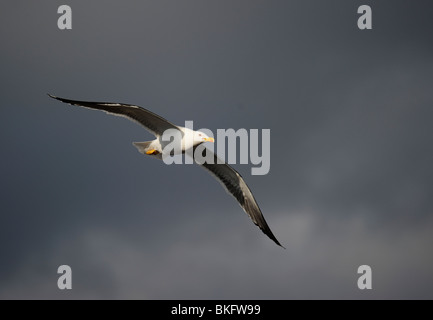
{"x":351,"y":176}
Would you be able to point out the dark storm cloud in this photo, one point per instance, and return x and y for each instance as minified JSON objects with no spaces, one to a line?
{"x":350,"y":184}
{"x":112,"y":264}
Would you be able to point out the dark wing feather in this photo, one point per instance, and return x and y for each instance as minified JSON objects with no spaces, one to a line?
{"x":236,"y":186}
{"x":151,"y":121}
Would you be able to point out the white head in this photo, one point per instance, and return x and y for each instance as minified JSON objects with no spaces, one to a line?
{"x":200,"y":137}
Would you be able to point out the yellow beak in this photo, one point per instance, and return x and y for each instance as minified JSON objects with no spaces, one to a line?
{"x":209,"y":139}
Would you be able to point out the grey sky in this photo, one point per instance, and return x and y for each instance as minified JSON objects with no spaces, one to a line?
{"x":351,"y":149}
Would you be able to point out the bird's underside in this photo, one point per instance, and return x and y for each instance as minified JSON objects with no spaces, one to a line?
{"x":228,"y":177}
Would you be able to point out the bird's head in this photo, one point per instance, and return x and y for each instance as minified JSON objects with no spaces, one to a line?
{"x":200,"y":137}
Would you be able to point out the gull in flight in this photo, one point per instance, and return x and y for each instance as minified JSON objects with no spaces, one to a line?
{"x":229,"y":177}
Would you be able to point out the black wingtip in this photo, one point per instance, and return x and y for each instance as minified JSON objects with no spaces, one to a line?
{"x":267,"y":231}
{"x":273,"y":238}
{"x":278,"y":243}
{"x":61,"y":99}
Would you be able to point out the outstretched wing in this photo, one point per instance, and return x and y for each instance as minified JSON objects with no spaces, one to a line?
{"x":151,"y":121}
{"x":236,"y":186}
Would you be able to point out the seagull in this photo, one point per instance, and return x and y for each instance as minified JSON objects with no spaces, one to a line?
{"x":155,"y":124}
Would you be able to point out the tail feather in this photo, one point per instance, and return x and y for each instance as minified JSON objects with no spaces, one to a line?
{"x":142,"y":147}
